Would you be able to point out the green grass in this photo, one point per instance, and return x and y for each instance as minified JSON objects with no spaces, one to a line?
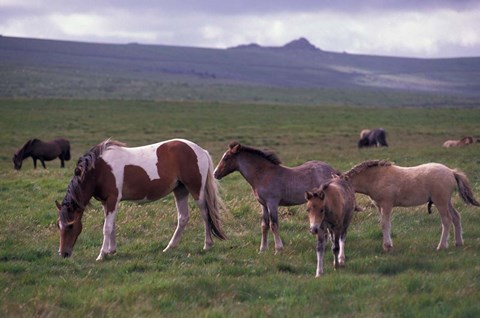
{"x":232,"y":279}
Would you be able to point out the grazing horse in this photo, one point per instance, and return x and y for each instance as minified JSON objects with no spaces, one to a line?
{"x":372,"y":138}
{"x":111,"y":172}
{"x":330,"y":209}
{"x":392,"y":186}
{"x":43,"y":151}
{"x":456,"y":143}
{"x":273,"y":184}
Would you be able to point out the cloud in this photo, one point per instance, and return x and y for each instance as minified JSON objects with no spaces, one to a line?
{"x":407,"y":28}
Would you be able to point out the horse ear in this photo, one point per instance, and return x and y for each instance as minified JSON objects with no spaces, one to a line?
{"x":59,"y":207}
{"x":235,"y":148}
{"x":308,"y":195}
{"x":321,"y":195}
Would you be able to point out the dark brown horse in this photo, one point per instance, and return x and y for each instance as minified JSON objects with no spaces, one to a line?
{"x":330,"y":209}
{"x":111,"y":172}
{"x":43,"y":151}
{"x":273,"y":184}
{"x":373,"y":138}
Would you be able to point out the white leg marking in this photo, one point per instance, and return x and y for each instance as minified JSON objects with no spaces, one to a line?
{"x":183,"y":215}
{"x":341,"y":254}
{"x":108,"y":228}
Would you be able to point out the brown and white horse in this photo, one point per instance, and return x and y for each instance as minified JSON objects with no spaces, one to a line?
{"x":330,"y":209}
{"x":111,"y":172}
{"x":43,"y":151}
{"x":272,"y":183}
{"x":392,"y":186}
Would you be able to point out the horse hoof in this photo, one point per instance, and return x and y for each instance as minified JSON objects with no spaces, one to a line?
{"x":207,"y":247}
{"x":262,"y":249}
{"x":388,"y":248}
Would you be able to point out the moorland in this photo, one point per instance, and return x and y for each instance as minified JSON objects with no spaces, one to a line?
{"x":232,"y":279}
{"x":287,"y":103}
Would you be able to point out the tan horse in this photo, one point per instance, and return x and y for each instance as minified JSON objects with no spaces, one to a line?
{"x":330,"y":208}
{"x":456,"y":143}
{"x":391,"y":186}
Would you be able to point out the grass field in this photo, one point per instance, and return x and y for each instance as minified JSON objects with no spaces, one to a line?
{"x":232,"y":279}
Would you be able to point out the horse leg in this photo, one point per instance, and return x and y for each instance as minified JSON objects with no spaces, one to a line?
{"x":43,"y":163}
{"x":183,"y":215}
{"x":34,"y":163}
{"x":208,"y":229}
{"x":62,"y":162}
{"x":335,"y":249}
{"x":457,"y":223}
{"x":273,"y":209}
{"x":109,"y":243}
{"x":386,"y":222}
{"x":341,"y":254}
{"x":265,"y":228}
{"x":446,"y":219}
{"x":321,"y":239}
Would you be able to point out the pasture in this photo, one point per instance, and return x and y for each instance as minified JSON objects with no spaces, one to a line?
{"x":232,"y":279}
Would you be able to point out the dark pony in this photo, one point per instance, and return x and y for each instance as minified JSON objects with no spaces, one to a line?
{"x":272,"y":183}
{"x":373,"y":138}
{"x":43,"y":151}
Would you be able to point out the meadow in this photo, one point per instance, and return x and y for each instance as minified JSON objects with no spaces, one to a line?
{"x":232,"y":279}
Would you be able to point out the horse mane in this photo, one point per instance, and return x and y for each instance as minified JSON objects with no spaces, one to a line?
{"x":85,"y":164}
{"x":467,"y":140}
{"x":267,"y":154}
{"x":359,"y":168}
{"x":27,"y":144}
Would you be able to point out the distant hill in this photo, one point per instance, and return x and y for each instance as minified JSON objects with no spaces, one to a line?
{"x":297,"y":72}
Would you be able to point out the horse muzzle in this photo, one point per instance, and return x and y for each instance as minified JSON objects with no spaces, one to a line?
{"x":314,"y":228}
{"x":217,"y":175}
{"x":65,"y":254}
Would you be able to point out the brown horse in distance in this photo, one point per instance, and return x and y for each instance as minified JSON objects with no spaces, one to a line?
{"x":458,"y":143}
{"x":273,"y":184}
{"x":391,"y":186}
{"x":43,"y":151}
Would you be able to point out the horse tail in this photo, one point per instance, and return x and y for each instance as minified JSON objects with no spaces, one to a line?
{"x":464,"y":188}
{"x":214,"y":203}
{"x":65,"y":149}
{"x":67,"y":154}
{"x":429,"y":206}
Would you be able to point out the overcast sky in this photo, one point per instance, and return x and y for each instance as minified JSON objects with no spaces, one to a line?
{"x":417,"y":28}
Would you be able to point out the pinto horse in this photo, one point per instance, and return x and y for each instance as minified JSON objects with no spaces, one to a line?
{"x":391,"y":186}
{"x":111,"y":172}
{"x":273,"y":185}
{"x":330,"y":210}
{"x":43,"y":151}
